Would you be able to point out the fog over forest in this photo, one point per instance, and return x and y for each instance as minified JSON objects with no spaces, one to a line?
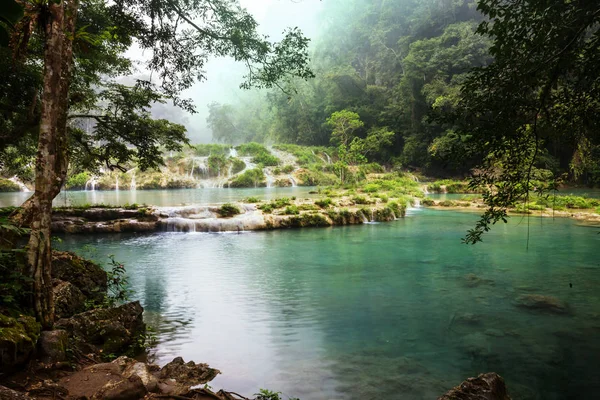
{"x":225,"y":75}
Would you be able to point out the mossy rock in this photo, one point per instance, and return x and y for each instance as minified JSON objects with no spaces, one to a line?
{"x":18,"y":338}
{"x":87,"y":276}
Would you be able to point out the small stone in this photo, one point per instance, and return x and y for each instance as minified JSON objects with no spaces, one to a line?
{"x":131,"y":388}
{"x":68,"y":299}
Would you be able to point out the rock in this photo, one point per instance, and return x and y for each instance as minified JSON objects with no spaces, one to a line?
{"x":68,"y":299}
{"x":142,"y":370}
{"x":488,"y":386}
{"x":468,"y":319}
{"x":538,"y":302}
{"x":188,"y":373}
{"x":131,"y":388}
{"x":9,"y":394}
{"x":106,"y":330}
{"x":18,"y":338}
{"x":87,"y":276}
{"x":53,"y":345}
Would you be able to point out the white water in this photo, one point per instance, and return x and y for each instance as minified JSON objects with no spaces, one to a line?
{"x":91,"y":184}
{"x":293,"y":181}
{"x":16,"y":180}
{"x":268,"y":177}
{"x":233,"y":152}
{"x":132,"y":185}
{"x":328,"y":158}
{"x":117,"y":183}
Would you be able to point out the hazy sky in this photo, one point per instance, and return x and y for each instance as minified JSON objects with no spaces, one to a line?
{"x":224,"y":76}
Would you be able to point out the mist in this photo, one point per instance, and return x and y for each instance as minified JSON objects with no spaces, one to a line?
{"x":224,"y":75}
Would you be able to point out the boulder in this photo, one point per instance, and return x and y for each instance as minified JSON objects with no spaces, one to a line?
{"x":87,"y":276}
{"x":106,"y":330}
{"x":542,"y":303}
{"x":68,"y":299}
{"x":18,"y":338}
{"x":130,"y":388}
{"x":189,"y":373}
{"x":53,"y":345}
{"x":488,"y":386}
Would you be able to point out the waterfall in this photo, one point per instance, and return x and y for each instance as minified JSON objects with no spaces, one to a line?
{"x":328,"y":158}
{"x":22,"y":186}
{"x":364,"y":218}
{"x":292,"y":181}
{"x":117,"y":183}
{"x":269,"y":177}
{"x":192,"y":170}
{"x":91,"y":184}
{"x":132,"y":185}
{"x":233,"y":152}
{"x":417,"y":203}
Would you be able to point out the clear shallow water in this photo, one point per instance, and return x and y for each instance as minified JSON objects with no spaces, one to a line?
{"x":373,"y":311}
{"x":584,"y":192}
{"x":176,"y":197}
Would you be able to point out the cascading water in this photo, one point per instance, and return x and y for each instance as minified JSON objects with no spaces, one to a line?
{"x":269,"y":177}
{"x":132,"y":185}
{"x":192,"y":170}
{"x":292,"y":181}
{"x":91,"y":184}
{"x":117,"y":184}
{"x":328,"y":158}
{"x":233,"y":152}
{"x":21,"y":185}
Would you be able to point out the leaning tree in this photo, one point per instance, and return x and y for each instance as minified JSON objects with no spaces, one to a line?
{"x":178,"y":35}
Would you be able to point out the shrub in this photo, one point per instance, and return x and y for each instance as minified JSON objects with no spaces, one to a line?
{"x":447,"y":203}
{"x":251,"y":199}
{"x":204,"y":150}
{"x":266,"y":159}
{"x":228,"y":210}
{"x":324,"y":203}
{"x":249,"y":178}
{"x":288,"y":169}
{"x":361,"y":200}
{"x":237,"y":165}
{"x":291,"y":210}
{"x":371,"y":188}
{"x":251,"y":149}
{"x":77,"y":181}
{"x":427,"y":202}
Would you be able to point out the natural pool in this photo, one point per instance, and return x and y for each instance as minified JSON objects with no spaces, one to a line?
{"x":379,"y":311}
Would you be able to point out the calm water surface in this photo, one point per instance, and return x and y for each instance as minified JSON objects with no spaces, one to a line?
{"x":381,"y":311}
{"x":176,"y":197}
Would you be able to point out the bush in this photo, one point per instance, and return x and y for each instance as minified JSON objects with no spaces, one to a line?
{"x":251,"y":149}
{"x":427,"y":202}
{"x":291,"y":210}
{"x":371,"y":188}
{"x":325,"y":203}
{"x":266,"y":159}
{"x":447,"y":203}
{"x":288,"y":169}
{"x":7,"y":185}
{"x":251,"y":199}
{"x":250,"y":178}
{"x":204,"y":150}
{"x":77,"y":181}
{"x":361,"y":200}
{"x":228,"y":210}
{"x":237,"y":165}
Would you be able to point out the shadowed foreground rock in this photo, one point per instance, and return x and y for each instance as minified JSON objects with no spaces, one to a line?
{"x":488,"y":386}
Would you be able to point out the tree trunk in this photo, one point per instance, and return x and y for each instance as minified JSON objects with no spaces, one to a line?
{"x":52,"y":156}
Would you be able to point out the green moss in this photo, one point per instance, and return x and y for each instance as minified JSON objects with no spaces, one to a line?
{"x":306,"y":220}
{"x":427,"y":202}
{"x":291,"y":210}
{"x":251,"y":199}
{"x":237,"y":165}
{"x":324,"y":203}
{"x":288,"y":169}
{"x":361,"y":200}
{"x":18,"y":330}
{"x":447,"y":203}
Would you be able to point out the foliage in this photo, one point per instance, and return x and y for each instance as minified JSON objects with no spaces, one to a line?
{"x":249,"y":178}
{"x":77,"y":181}
{"x":237,"y":165}
{"x":547,"y":104}
{"x":324,"y":203}
{"x":205,"y":150}
{"x":291,"y":210}
{"x":8,"y":186}
{"x":251,"y":199}
{"x":228,"y":210}
{"x":118,"y":284}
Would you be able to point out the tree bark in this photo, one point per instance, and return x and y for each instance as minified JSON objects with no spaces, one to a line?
{"x":52,"y":155}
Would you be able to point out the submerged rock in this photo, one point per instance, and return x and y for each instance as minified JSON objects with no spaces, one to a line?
{"x":472,"y":280}
{"x":488,"y":386}
{"x":106,"y":330}
{"x":18,"y":338}
{"x":542,"y":303}
{"x":87,"y":276}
